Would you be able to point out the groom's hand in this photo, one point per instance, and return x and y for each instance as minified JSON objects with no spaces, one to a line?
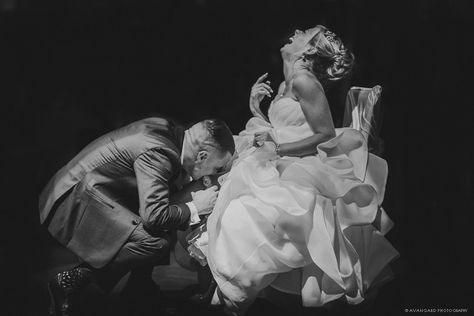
{"x":204,"y":200}
{"x":261,"y":137}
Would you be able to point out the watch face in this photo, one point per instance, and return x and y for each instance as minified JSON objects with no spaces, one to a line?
{"x":222,"y":178}
{"x":206,"y":180}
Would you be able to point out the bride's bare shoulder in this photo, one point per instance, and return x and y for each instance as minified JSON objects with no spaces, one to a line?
{"x":305,"y":81}
{"x":304,"y":76}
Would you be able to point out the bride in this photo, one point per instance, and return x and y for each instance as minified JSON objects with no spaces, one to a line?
{"x":297,"y":210}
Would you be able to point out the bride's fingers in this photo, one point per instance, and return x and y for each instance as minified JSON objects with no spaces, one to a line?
{"x":255,"y":140}
{"x":261,"y":137}
{"x":264,"y":91}
{"x":266,"y":86}
{"x":258,"y":140}
{"x":262,"y":77}
{"x":259,"y":90}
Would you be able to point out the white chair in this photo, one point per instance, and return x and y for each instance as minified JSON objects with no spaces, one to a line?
{"x":363,"y":112}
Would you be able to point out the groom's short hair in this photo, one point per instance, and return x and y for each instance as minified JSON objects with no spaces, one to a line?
{"x":220,"y":135}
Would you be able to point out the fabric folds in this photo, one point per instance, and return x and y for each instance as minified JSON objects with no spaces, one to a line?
{"x":310,"y":226}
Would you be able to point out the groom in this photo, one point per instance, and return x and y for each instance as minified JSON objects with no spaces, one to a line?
{"x":110,"y":204}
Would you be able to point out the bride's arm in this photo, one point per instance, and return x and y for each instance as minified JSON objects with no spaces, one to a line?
{"x":314,"y":104}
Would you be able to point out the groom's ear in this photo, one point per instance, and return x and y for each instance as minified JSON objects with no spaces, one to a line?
{"x":201,"y":156}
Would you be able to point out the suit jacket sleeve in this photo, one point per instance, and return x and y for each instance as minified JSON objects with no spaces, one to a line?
{"x":154,"y":170}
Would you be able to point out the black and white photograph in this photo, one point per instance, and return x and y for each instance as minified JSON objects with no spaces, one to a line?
{"x":245,"y":158}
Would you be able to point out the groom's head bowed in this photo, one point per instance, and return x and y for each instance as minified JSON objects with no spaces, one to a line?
{"x":208,"y":148}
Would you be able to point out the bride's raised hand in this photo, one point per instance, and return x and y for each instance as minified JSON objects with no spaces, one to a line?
{"x":259,"y":90}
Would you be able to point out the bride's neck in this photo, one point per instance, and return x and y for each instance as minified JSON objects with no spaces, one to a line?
{"x":291,"y":66}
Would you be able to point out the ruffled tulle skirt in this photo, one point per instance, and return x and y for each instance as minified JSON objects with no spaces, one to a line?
{"x":310,"y":226}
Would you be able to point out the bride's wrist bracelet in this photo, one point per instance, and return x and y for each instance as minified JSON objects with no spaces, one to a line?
{"x":277,"y":148}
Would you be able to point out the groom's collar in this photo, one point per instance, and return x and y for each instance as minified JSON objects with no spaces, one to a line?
{"x":185,"y":132}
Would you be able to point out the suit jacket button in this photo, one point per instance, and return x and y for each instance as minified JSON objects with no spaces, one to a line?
{"x":135,"y":222}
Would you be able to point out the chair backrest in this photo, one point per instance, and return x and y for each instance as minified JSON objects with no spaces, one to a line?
{"x":363,"y":112}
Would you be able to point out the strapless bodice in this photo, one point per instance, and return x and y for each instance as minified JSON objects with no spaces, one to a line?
{"x":288,"y":120}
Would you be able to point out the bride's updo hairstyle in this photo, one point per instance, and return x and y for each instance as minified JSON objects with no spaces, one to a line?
{"x":330,"y":59}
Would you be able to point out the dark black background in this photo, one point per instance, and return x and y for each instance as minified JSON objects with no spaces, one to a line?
{"x":76,"y":69}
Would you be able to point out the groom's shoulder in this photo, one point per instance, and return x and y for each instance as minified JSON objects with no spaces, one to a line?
{"x":158,"y":132}
{"x":156,"y":122}
{"x":159,"y":126}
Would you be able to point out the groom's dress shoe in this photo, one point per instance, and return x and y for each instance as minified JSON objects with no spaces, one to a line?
{"x":60,"y":299}
{"x":62,"y":290}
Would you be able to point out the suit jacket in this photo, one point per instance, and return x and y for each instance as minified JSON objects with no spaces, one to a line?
{"x":97,"y":200}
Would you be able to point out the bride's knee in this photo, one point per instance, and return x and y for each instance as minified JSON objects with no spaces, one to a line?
{"x":281,"y":165}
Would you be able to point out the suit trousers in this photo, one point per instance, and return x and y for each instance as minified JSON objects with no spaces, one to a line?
{"x":140,"y":252}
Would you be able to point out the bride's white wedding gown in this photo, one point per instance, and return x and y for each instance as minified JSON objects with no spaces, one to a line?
{"x":311,"y":226}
